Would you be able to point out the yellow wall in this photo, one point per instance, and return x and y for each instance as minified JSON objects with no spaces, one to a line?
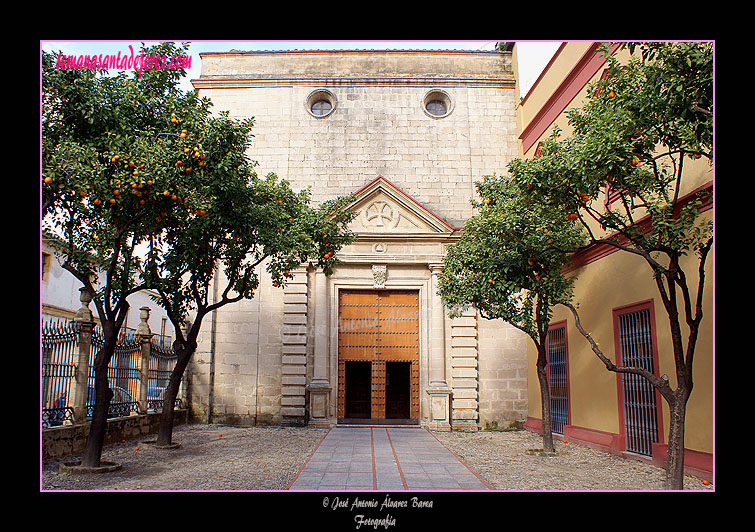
{"x":613,"y":281}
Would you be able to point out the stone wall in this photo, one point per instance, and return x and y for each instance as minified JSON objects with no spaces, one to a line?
{"x":70,"y":440}
{"x":255,"y":363}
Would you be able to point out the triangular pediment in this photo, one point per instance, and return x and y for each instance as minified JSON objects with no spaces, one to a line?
{"x":383,"y":208}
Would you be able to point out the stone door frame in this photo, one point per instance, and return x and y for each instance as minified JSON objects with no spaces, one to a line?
{"x":335,"y":287}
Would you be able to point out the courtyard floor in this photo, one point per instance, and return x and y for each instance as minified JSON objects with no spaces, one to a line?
{"x":287,"y":459}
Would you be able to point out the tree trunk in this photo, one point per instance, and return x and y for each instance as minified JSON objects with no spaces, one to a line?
{"x":103,"y":395}
{"x":545,"y":399}
{"x":165,"y":432}
{"x":675,"y":458}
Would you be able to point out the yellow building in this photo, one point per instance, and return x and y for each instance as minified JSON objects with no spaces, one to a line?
{"x":614,"y":289}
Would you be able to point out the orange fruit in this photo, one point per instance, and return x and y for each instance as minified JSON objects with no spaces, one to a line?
{"x":48,"y":180}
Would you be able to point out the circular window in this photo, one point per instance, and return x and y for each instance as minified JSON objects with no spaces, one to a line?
{"x":321,"y":107}
{"x":437,"y":104}
{"x":320,"y":103}
{"x":436,"y":108}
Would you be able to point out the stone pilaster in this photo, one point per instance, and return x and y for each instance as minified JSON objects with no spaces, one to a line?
{"x":145,"y":347}
{"x":438,"y":390}
{"x":85,"y":322}
{"x":319,"y":388}
{"x":294,"y":350}
{"x":464,"y":371}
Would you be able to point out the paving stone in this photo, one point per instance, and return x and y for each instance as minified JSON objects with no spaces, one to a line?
{"x":368,"y":458}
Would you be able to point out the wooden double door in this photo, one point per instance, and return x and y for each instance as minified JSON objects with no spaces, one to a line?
{"x":378,"y":356}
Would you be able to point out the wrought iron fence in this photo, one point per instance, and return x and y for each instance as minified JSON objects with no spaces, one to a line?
{"x":60,"y":344}
{"x":162,"y":360}
{"x":122,"y":373}
{"x":59,"y":351}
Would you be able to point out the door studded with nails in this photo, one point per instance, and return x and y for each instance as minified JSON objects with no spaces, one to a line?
{"x":380,"y":327}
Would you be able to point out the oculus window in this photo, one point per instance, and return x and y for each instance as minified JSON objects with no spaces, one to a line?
{"x":437,"y":104}
{"x":320,"y":103}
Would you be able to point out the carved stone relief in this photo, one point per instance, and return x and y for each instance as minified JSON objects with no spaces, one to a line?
{"x":379,"y":275}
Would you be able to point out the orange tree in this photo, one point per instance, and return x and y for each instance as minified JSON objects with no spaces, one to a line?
{"x":210,"y":254}
{"x":507,"y":265}
{"x":634,"y":138}
{"x":109,"y":182}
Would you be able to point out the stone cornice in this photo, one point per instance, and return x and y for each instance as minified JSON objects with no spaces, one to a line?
{"x":243,"y":82}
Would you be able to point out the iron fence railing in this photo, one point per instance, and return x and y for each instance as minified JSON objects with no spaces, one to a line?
{"x":162,"y":360}
{"x":59,"y":351}
{"x":122,"y":373}
{"x":60,"y":346}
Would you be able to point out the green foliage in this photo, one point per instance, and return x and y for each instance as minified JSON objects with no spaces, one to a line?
{"x":632,"y":137}
{"x":104,"y":151}
{"x":508,"y":261}
{"x":132,"y":162}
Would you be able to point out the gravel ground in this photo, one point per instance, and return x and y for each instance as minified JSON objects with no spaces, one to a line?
{"x":215,"y":457}
{"x":501,"y":459}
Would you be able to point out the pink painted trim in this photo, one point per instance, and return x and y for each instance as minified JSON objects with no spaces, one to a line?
{"x":307,"y":461}
{"x":563,"y":95}
{"x":696,"y":463}
{"x":428,"y":211}
{"x":537,"y":81}
{"x":620,"y":311}
{"x":595,"y":439}
{"x":458,"y":458}
{"x":600,"y":250}
{"x":558,"y":325}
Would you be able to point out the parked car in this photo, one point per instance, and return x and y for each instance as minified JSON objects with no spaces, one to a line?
{"x":155,"y":397}
{"x":119,"y":405}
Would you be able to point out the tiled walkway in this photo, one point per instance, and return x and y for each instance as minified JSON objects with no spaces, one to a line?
{"x":385,"y":459}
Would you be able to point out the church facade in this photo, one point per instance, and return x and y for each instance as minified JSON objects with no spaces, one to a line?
{"x":407,"y":133}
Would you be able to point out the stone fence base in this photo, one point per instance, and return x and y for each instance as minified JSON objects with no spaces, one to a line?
{"x":70,"y":440}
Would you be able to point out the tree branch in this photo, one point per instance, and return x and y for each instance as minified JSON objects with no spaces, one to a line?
{"x":661,"y":383}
